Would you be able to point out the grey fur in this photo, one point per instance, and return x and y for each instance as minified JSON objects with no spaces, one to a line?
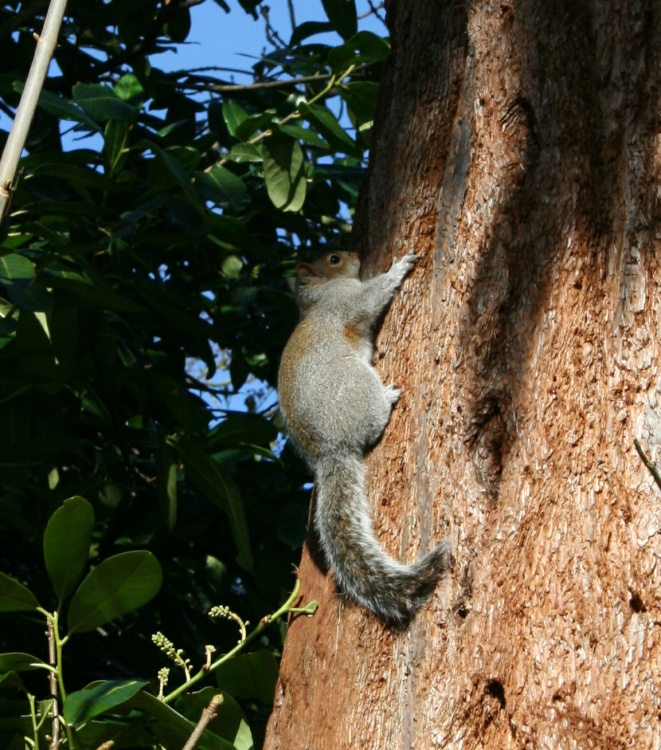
{"x":336,"y":408}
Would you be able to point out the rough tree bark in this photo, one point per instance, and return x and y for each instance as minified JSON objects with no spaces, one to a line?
{"x":517,"y":149}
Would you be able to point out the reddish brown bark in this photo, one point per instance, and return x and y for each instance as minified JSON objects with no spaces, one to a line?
{"x":517,"y":150}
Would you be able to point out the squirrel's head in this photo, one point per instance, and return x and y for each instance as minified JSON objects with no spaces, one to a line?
{"x":333,"y":265}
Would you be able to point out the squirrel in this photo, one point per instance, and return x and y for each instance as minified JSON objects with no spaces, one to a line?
{"x":336,"y":407}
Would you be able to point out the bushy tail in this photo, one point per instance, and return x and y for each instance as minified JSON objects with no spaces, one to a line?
{"x":362,"y":569}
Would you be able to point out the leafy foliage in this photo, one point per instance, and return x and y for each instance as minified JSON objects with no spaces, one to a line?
{"x":142,"y":314}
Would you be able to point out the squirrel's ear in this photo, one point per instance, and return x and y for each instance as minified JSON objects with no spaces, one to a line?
{"x":306,"y":274}
{"x":292,"y":283}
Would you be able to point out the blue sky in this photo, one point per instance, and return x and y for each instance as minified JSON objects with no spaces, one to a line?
{"x":234,"y":39}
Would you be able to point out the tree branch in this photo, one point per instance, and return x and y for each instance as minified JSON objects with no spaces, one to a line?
{"x":199,"y":85}
{"x":208,"y":715}
{"x":28,"y":104}
{"x":52,"y":684}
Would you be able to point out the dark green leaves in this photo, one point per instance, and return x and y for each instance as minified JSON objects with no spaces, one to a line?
{"x":284,"y":172}
{"x":14,"y":597}
{"x":233,"y":114}
{"x":118,"y":585}
{"x":15,"y":269}
{"x":17,"y":662}
{"x":223,"y":491}
{"x":328,"y":125}
{"x":342,"y":16}
{"x":67,"y":542}
{"x":85,"y":704}
{"x":142,"y":306}
{"x":221,"y":186}
{"x":101,"y":103}
{"x":250,"y":676}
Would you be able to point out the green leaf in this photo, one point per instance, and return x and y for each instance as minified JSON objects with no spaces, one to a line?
{"x":129,"y":89}
{"x":170,"y":161}
{"x":222,"y":491}
{"x":178,"y":26}
{"x":15,"y":269}
{"x":363,"y":47}
{"x":14,"y":597}
{"x":118,"y":585}
{"x":230,"y":723}
{"x":94,"y":295}
{"x":115,"y":139}
{"x":67,"y":541}
{"x":221,"y":186}
{"x":253,"y":123}
{"x":19,"y":662}
{"x":166,"y":483}
{"x":243,"y":152}
{"x":84,"y":705}
{"x":244,"y":429}
{"x":284,"y":172}
{"x":60,"y":107}
{"x":233,"y":114}
{"x":342,"y":16}
{"x":308,"y":29}
{"x":101,"y":102}
{"x":75,"y":175}
{"x":328,"y":125}
{"x":370,"y":46}
{"x":304,"y":134}
{"x":231,"y":267}
{"x":360,"y":96}
{"x":249,"y":676}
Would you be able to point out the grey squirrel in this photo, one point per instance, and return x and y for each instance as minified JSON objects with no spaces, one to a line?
{"x":336,"y":407}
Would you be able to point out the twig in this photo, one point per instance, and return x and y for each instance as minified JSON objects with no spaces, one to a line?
{"x":28,"y":104}
{"x":208,"y":715}
{"x":292,"y":17}
{"x":52,"y":684}
{"x":197,"y":83}
{"x":262,"y":625}
{"x":229,"y":87}
{"x":648,"y":462}
{"x":374,"y":10}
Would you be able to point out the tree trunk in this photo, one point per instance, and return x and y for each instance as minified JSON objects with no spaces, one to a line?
{"x":517,"y":150}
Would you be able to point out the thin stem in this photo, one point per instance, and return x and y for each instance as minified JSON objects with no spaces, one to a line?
{"x":55,"y":678}
{"x":208,"y":715}
{"x":16,"y":141}
{"x":52,"y":684}
{"x":262,"y":625}
{"x":292,"y":17}
{"x":33,"y":716}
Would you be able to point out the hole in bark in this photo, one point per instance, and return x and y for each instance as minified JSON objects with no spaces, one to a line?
{"x":496,"y":690}
{"x":462,"y":605}
{"x":463,"y":610}
{"x":636,"y":602}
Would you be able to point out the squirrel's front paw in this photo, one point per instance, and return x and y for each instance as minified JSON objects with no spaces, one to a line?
{"x":402,"y":266}
{"x":392,"y":393}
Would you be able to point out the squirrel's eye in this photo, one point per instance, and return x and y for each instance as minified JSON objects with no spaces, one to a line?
{"x":334,"y":260}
